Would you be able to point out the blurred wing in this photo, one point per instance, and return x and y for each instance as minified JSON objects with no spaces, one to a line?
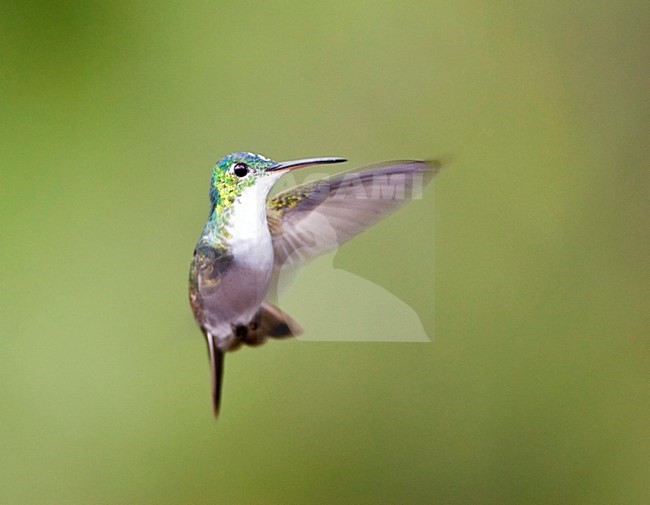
{"x":216,"y":372}
{"x":314,"y":218}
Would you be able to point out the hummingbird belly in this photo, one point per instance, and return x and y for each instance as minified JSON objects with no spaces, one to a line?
{"x":237,"y":296}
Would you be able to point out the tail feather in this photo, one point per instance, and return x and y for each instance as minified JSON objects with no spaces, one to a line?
{"x":276,"y":323}
{"x":270,"y":322}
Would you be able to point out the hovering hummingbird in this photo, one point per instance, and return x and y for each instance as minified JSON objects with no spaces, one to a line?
{"x":249,"y":237}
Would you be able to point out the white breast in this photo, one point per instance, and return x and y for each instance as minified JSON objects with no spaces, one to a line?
{"x":250,"y":237}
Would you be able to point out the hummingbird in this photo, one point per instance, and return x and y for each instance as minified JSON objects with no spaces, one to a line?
{"x":250,"y":236}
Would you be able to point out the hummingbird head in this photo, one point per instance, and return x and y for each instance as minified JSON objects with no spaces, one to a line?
{"x":237,"y":171}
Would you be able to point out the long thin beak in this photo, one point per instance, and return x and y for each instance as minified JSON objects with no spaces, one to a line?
{"x":292,"y":165}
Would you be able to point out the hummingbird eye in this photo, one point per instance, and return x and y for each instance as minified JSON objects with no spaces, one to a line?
{"x":240,"y":169}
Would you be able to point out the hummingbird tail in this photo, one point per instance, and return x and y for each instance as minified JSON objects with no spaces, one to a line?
{"x":216,"y":371}
{"x":275,"y":323}
{"x":270,"y":321}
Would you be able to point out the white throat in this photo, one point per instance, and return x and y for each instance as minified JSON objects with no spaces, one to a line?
{"x":247,"y":226}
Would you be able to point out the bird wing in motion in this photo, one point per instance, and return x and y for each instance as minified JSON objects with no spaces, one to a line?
{"x":270,"y":321}
{"x":216,"y":372}
{"x":313,"y":218}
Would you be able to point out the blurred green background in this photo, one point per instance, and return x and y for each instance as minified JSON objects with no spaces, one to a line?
{"x":534,"y":389}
